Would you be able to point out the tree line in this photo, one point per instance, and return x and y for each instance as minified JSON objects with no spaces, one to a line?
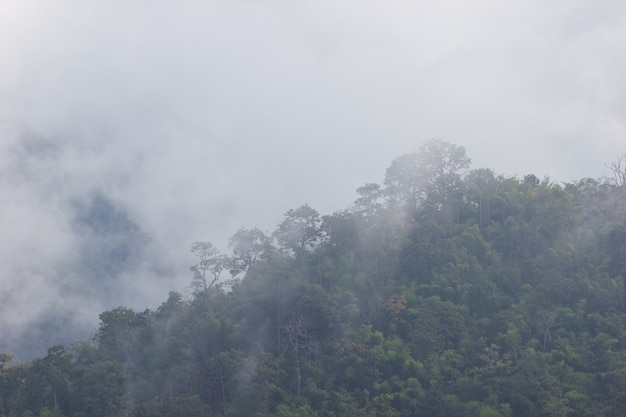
{"x":443,"y":291}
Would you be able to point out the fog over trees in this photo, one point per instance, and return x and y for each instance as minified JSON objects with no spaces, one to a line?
{"x":446,"y":291}
{"x":233,"y":208}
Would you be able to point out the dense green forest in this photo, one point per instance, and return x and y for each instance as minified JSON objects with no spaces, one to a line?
{"x":444,"y":291}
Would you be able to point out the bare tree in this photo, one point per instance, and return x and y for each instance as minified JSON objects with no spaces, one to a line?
{"x":300,"y":343}
{"x":618,"y":171}
{"x":549,"y":320}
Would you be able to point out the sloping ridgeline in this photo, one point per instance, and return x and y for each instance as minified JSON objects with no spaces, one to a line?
{"x":445,"y":291}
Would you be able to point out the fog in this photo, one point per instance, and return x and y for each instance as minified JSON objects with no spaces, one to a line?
{"x":196,"y":118}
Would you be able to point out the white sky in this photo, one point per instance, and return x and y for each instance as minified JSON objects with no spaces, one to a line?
{"x":204,"y":116}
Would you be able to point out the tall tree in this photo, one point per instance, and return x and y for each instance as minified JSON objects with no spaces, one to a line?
{"x":432,"y":174}
{"x":482,"y":184}
{"x":617,"y":251}
{"x":249,"y":246}
{"x":209,"y":268}
{"x":404,"y":183}
{"x":618,"y":170}
{"x":300,"y":342}
{"x":444,"y":164}
{"x":5,"y":358}
{"x":370,"y":200}
{"x":300,"y":231}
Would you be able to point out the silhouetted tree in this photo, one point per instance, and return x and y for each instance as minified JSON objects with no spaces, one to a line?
{"x":209,"y":268}
{"x":300,"y":231}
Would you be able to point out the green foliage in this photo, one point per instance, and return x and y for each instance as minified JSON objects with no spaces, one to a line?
{"x":489,"y":297}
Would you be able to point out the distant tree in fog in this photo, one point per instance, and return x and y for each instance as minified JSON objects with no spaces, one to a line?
{"x":209,"y":268}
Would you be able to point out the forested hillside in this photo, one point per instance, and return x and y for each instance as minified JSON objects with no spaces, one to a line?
{"x":444,"y":291}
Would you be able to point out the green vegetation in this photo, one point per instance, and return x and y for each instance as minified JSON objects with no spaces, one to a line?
{"x":445,"y":292}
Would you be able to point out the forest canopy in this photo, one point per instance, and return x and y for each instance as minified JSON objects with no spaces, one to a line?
{"x":443,"y":291}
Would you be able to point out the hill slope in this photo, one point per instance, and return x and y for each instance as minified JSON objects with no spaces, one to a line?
{"x":444,"y":292}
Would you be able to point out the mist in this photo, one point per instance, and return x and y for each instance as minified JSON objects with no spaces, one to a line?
{"x":190,"y":120}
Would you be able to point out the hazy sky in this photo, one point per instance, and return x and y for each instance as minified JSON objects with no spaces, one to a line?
{"x":203,"y":116}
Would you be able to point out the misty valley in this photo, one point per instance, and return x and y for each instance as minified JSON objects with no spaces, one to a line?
{"x":446,"y":290}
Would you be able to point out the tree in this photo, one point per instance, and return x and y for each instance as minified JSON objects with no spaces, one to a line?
{"x":432,"y":174}
{"x":56,"y":368}
{"x":341,"y":232}
{"x":249,"y":246}
{"x":618,"y":170}
{"x":444,"y":163}
{"x":300,"y":342}
{"x":101,"y":389}
{"x":370,"y":200}
{"x":404,"y":183}
{"x":301,"y":230}
{"x":5,"y":358}
{"x":117,"y":332}
{"x":211,"y":262}
{"x":481,"y":187}
{"x":617,"y":252}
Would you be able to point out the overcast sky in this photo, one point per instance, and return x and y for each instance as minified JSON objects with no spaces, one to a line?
{"x":203,"y":116}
